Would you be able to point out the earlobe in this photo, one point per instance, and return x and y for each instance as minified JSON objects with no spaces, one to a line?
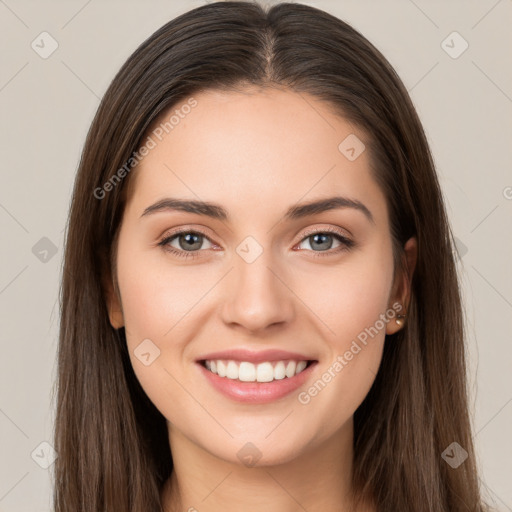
{"x":115,"y":311}
{"x":116,"y":317}
{"x":403,"y":286}
{"x":396,"y":323}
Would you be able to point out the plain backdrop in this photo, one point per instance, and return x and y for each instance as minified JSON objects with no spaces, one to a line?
{"x":464,"y":99}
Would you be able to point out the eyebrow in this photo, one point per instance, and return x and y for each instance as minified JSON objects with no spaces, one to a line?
{"x":215,"y":211}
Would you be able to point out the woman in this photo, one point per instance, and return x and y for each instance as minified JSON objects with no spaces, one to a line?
{"x":217,"y":351}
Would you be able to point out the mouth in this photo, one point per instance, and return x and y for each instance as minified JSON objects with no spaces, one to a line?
{"x":246,"y":371}
{"x":256,"y":383}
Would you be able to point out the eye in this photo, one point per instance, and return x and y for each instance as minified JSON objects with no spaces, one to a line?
{"x":322,"y":240}
{"x":188,"y":241}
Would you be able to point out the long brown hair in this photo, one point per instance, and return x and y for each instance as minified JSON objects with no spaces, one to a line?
{"x":112,"y":443}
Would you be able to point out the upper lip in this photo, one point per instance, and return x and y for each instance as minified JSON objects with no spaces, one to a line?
{"x":255,"y":356}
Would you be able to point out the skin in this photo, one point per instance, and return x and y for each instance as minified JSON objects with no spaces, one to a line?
{"x":256,"y":153}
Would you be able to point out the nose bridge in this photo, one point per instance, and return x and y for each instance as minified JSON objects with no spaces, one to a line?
{"x":258,"y":298}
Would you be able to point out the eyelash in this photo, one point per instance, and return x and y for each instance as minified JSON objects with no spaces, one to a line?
{"x":347,"y":243}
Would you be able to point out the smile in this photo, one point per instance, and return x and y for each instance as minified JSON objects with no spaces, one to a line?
{"x":265,"y":382}
{"x":246,"y":371}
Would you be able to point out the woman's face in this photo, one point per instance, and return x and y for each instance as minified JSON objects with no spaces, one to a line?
{"x":256,"y":281}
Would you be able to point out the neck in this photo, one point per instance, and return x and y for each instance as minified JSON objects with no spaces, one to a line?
{"x":317,"y":479}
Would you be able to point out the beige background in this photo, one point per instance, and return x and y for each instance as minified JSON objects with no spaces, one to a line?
{"x":46,"y":106}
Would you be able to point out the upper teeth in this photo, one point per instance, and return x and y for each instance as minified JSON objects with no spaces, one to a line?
{"x":249,"y":372}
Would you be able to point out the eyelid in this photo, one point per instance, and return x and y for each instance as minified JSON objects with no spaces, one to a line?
{"x":171,"y":233}
{"x":304,"y":234}
{"x":325,"y":229}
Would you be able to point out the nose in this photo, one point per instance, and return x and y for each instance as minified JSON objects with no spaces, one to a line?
{"x":257,"y":295}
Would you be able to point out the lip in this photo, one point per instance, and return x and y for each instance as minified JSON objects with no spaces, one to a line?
{"x":255,"y":356}
{"x":256,"y":392}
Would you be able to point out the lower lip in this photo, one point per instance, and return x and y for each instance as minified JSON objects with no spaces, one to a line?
{"x":256,"y":392}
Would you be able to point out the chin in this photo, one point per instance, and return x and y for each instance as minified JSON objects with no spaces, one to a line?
{"x":258,"y":453}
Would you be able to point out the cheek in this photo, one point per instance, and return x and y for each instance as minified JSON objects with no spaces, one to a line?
{"x":164,"y":304}
{"x":156,"y":296}
{"x":349,"y":298}
{"x":357,"y":295}
{"x":157,"y":303}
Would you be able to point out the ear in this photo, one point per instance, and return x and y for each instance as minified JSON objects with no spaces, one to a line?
{"x":402,"y":285}
{"x":113,"y":301}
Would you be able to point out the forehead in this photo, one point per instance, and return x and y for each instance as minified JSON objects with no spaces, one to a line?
{"x":256,"y":149}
